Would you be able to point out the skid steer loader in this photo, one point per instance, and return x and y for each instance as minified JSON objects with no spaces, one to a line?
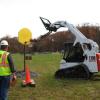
{"x":81,"y":59}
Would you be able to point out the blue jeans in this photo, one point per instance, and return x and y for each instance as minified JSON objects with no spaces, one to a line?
{"x":4,"y":86}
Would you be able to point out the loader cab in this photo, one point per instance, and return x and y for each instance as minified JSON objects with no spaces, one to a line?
{"x":73,"y":53}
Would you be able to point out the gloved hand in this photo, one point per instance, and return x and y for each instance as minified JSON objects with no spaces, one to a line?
{"x":13,"y":79}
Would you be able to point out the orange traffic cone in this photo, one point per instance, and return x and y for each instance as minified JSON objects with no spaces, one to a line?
{"x":28,"y":80}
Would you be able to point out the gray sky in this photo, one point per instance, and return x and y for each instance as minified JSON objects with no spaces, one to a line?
{"x":17,"y":14}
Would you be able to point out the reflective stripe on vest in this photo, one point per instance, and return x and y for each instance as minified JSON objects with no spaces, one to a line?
{"x":4,"y":66}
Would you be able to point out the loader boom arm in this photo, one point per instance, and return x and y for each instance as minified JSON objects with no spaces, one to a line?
{"x":53,"y":27}
{"x":79,"y":36}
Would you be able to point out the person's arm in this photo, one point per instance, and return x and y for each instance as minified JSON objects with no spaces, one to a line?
{"x":11,"y":64}
{"x":12,"y":67}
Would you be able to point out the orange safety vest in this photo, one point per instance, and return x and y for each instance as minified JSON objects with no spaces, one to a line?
{"x":4,"y":65}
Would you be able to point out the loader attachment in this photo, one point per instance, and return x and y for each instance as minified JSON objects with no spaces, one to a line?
{"x":48,"y":25}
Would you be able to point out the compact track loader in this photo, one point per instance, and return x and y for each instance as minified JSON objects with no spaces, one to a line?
{"x":81,"y":59}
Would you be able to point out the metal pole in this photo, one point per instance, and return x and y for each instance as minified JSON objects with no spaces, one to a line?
{"x":24,"y":56}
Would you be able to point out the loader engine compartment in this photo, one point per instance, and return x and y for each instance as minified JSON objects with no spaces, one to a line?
{"x":73,"y":53}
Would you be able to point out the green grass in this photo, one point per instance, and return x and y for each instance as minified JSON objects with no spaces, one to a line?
{"x":49,"y":88}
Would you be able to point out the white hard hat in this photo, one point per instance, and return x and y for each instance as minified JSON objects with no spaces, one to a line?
{"x":4,"y":42}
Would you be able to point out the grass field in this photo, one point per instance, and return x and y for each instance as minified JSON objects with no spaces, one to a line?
{"x":49,"y":88}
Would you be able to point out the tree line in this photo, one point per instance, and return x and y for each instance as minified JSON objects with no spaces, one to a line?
{"x":53,"y":42}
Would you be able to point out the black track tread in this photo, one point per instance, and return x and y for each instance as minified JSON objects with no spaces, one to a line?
{"x":76,"y":72}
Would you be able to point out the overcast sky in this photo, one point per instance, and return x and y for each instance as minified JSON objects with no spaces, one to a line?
{"x":16,"y":14}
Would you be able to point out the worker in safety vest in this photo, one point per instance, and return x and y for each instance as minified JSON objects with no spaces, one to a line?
{"x":7,"y":70}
